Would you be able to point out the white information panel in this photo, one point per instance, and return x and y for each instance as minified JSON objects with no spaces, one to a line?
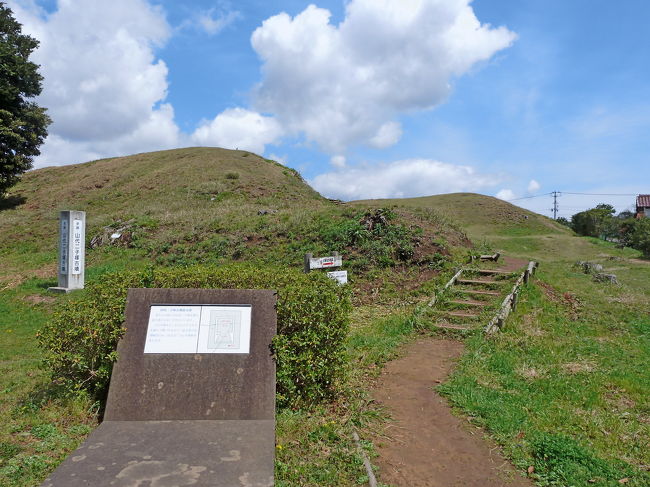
{"x":177,"y":328}
{"x":340,"y":276}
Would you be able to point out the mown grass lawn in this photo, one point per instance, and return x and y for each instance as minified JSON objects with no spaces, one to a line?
{"x":38,"y":427}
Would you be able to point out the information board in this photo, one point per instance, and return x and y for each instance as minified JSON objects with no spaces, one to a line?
{"x":198,"y":329}
{"x":340,"y":276}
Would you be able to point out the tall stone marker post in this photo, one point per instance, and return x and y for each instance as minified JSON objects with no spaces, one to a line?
{"x":72,"y":251}
{"x":192,"y":395}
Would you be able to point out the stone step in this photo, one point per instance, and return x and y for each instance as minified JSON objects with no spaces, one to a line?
{"x":469,"y":302}
{"x":478,"y":291}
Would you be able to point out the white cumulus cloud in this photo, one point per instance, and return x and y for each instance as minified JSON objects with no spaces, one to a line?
{"x":533,"y":186}
{"x":212,"y":21}
{"x":505,"y":194}
{"x":103,"y":86}
{"x":238,"y":128}
{"x":338,"y":161}
{"x":400,"y":179}
{"x":345,"y":84}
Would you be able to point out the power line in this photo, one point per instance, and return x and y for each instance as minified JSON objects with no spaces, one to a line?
{"x":528,"y":197}
{"x":556,"y":194}
{"x":603,"y":194}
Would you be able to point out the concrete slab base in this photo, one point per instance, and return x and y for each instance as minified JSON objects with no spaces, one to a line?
{"x":226,"y":453}
{"x":61,"y":290}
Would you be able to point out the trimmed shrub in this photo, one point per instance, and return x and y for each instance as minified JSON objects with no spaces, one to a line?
{"x":313,"y":322}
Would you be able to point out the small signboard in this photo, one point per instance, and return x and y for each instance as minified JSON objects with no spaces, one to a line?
{"x":325,"y":262}
{"x":198,"y":329}
{"x":340,"y":276}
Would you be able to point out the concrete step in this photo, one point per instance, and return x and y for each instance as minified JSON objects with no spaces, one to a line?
{"x":478,"y":291}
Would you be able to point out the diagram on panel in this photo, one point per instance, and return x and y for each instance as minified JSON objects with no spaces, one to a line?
{"x":225,"y":329}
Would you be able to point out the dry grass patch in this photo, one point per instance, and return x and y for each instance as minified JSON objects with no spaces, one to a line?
{"x":578,"y":367}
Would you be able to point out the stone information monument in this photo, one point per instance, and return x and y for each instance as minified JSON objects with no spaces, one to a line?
{"x":192,"y":395}
{"x":72,"y":251}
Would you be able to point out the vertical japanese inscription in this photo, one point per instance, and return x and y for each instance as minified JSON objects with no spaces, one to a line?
{"x":77,"y":246}
{"x":63,"y":257}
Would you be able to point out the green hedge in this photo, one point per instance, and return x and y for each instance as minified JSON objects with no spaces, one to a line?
{"x":313,"y":322}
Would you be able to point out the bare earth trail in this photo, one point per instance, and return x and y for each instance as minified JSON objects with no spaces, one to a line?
{"x":428,"y":445}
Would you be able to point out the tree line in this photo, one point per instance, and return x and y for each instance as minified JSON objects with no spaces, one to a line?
{"x":602,"y":222}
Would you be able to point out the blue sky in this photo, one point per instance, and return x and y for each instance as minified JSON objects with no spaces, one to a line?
{"x":367,"y":98}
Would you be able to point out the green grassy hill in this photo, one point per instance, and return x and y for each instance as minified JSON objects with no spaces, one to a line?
{"x":169,"y":198}
{"x":196,"y":205}
{"x":480,"y":215}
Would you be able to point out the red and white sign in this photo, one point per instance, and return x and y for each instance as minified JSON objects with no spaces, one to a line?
{"x":325,"y":262}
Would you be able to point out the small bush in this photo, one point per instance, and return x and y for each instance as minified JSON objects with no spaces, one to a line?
{"x":373,"y":235}
{"x":313,"y":322}
{"x":232,"y":175}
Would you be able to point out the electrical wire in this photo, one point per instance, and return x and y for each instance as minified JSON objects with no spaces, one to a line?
{"x":528,"y":197}
{"x":601,"y":194}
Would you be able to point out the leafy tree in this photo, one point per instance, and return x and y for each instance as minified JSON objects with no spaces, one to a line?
{"x":636,"y":234}
{"x":563,"y":221}
{"x":596,"y":222}
{"x":23,"y":124}
{"x":626,"y":214}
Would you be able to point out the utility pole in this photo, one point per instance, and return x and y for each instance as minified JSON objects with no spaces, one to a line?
{"x":555,"y":207}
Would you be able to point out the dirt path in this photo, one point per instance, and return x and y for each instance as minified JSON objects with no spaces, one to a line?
{"x":428,"y":445}
{"x":510,"y":264}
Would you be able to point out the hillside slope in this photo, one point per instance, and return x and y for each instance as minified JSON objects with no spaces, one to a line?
{"x":480,"y":214}
{"x":199,"y":205}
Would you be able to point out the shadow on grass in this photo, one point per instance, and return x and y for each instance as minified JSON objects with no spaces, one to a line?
{"x":47,"y":284}
{"x":48,"y":392}
{"x":11,"y":202}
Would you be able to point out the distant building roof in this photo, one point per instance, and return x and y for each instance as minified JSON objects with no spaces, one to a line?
{"x":643,"y":201}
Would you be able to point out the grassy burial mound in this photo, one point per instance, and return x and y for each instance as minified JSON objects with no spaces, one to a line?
{"x":477,"y":213}
{"x":160,"y":203}
{"x":202,"y":205}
